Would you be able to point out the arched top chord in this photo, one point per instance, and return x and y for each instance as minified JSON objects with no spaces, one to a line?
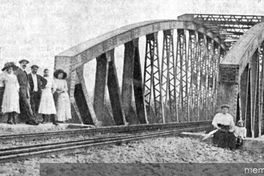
{"x":244,"y":48}
{"x":93,"y":48}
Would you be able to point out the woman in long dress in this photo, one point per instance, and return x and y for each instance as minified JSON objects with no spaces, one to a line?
{"x":63,"y":105}
{"x":47,"y":105}
{"x":10,"y":104}
{"x":224,"y":136}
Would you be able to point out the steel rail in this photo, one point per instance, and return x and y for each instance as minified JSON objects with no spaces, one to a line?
{"x":23,"y":152}
{"x":40,"y":136}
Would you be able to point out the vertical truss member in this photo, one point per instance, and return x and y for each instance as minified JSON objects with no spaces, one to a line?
{"x":152,"y":79}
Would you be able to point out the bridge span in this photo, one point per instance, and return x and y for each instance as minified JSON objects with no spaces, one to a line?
{"x":205,"y":60}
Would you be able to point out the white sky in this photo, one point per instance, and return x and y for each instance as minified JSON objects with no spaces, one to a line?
{"x":40,"y":29}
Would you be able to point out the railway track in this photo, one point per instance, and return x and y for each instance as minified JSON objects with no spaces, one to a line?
{"x":42,"y":136}
{"x":22,"y":152}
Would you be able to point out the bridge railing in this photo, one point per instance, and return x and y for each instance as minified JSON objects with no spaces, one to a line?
{"x":180,"y":85}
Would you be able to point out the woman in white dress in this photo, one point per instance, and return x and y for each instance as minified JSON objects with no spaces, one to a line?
{"x":47,"y":105}
{"x":10,"y":104}
{"x":63,"y":105}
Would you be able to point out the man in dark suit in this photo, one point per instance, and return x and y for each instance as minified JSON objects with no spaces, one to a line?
{"x":36,"y":83}
{"x":24,"y":97}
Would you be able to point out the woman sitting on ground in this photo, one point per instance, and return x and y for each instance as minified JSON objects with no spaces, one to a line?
{"x":224,"y":137}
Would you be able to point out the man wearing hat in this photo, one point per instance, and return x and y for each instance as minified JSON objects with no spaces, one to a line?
{"x":24,"y":97}
{"x":36,"y":83}
{"x":224,"y":123}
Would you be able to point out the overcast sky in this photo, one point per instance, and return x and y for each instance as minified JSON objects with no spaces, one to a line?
{"x":40,"y":29}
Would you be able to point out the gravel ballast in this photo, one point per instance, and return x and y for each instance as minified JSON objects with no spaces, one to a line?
{"x":159,"y":150}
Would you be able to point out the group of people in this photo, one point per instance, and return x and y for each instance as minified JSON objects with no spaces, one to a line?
{"x":226,"y":133}
{"x":30,"y":95}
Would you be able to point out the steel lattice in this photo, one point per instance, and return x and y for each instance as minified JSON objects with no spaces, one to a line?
{"x":192,"y":76}
{"x":186,"y":89}
{"x":152,"y":83}
{"x":181,"y":76}
{"x":167,"y":76}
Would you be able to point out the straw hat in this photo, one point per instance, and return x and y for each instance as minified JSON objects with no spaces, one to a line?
{"x":34,"y":66}
{"x":57,"y":72}
{"x":8,"y":65}
{"x":225,"y":106}
{"x":23,"y":60}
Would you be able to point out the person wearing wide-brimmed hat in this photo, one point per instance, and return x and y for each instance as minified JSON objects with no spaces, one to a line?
{"x":24,"y":97}
{"x":10,"y":104}
{"x":224,"y":123}
{"x":36,"y":84}
{"x":63,"y":105}
{"x":22,"y":61}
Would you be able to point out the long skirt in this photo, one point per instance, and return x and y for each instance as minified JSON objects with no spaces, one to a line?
{"x":224,"y":139}
{"x":63,"y":106}
{"x":10,"y":101}
{"x":47,"y":105}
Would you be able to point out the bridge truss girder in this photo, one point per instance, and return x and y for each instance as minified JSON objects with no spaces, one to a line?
{"x":164,"y":76}
{"x":229,"y":27}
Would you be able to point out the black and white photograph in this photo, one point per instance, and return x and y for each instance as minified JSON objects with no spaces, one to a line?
{"x":131,"y":87}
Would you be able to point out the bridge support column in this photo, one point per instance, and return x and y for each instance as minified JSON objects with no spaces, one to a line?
{"x":73,"y":80}
{"x":84,"y":101}
{"x":132,"y":81}
{"x":114,"y":90}
{"x":127,"y":85}
{"x":152,"y":79}
{"x":101,"y":111}
{"x":139,"y":89}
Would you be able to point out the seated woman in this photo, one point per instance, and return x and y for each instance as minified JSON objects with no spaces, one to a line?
{"x":224,"y":137}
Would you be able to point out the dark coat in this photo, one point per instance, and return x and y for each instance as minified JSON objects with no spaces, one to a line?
{"x":22,"y":77}
{"x":42,"y":82}
{"x":23,"y":82}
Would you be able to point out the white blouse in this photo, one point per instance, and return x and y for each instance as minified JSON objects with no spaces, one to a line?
{"x":223,"y":119}
{"x":60,"y":85}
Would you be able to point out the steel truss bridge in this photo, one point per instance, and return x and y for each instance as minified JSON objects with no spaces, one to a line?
{"x":205,"y":60}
